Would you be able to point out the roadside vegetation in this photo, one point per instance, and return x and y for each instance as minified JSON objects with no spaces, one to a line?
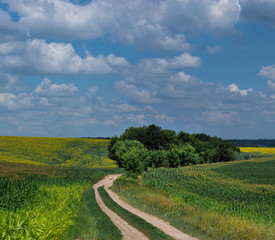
{"x":146,"y":228}
{"x":46,"y":188}
{"x":233,"y":200}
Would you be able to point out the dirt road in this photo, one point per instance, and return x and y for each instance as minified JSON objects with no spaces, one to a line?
{"x":127,"y":231}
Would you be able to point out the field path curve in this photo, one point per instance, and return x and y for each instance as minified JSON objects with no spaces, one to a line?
{"x":157,"y":222}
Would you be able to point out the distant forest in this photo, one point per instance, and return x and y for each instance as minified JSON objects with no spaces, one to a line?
{"x":252,"y":142}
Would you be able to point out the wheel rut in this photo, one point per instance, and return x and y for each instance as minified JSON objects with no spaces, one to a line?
{"x":128,"y":231}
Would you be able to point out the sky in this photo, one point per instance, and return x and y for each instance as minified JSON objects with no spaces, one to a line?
{"x":85,"y":68}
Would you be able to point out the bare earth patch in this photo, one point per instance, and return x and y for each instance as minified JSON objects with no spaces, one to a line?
{"x":128,"y":232}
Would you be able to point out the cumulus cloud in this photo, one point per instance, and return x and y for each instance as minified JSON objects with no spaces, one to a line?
{"x":13,"y":102}
{"x":135,"y":94}
{"x":150,"y":25}
{"x":181,"y":77}
{"x":200,"y":15}
{"x":9,"y":30}
{"x":269,"y":73}
{"x":39,"y":57}
{"x":235,"y":89}
{"x":162,"y":65}
{"x":47,"y":89}
{"x":258,"y":10}
{"x":8,"y":81}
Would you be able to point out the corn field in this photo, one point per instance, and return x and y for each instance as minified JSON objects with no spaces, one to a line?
{"x":42,"y":181}
{"x":245,"y":190}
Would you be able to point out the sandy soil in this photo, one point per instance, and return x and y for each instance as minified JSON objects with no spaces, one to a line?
{"x":128,"y":232}
{"x":164,"y":226}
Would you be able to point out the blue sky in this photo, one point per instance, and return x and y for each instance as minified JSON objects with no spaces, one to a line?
{"x":94,"y":68}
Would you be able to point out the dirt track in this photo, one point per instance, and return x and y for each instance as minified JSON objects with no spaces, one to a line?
{"x":128,"y":231}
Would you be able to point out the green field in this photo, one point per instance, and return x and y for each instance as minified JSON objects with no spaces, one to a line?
{"x":45,"y":188}
{"x":45,"y":193}
{"x":234,"y":200}
{"x":76,"y":152}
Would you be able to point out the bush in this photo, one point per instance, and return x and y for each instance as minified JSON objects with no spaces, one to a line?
{"x":132,"y":156}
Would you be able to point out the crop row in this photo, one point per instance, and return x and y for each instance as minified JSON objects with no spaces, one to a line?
{"x":41,"y":202}
{"x":210,"y":188}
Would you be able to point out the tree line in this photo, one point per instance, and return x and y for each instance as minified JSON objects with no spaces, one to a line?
{"x":139,"y":148}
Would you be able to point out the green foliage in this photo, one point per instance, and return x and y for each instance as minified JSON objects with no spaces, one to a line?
{"x":17,"y":194}
{"x":132,"y":156}
{"x":152,"y":137}
{"x":168,"y":149}
{"x":187,"y":154}
{"x":158,"y":158}
{"x":40,"y":202}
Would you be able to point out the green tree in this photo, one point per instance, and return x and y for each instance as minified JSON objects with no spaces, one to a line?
{"x":135,"y":161}
{"x":132,"y":156}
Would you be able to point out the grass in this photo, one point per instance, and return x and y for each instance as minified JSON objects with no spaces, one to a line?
{"x":91,"y":222}
{"x":146,"y":228}
{"x":233,"y":200}
{"x":45,"y":188}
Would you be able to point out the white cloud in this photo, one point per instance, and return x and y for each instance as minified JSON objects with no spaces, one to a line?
{"x":235,"y":89}
{"x":185,"y":60}
{"x":39,"y":57}
{"x":125,"y":107}
{"x":269,"y":73}
{"x":214,"y":49}
{"x":271,"y":84}
{"x":258,"y":10}
{"x":8,"y":81}
{"x":12,"y":102}
{"x":9,"y":30}
{"x":47,"y":89}
{"x":180,"y":77}
{"x":200,"y":15}
{"x":163,"y":117}
{"x":135,"y":94}
{"x":140,"y":119}
{"x":162,"y":65}
{"x":153,"y":25}
{"x":117,"y":61}
{"x":221,"y":118}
